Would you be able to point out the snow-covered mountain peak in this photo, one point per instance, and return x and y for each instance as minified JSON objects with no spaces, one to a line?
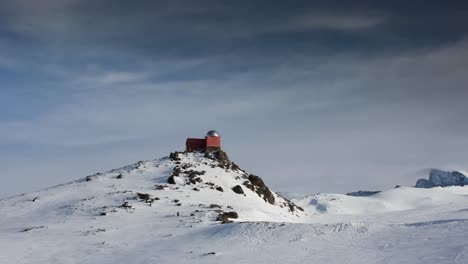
{"x":206,"y":188}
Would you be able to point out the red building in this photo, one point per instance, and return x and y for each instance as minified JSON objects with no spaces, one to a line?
{"x":211,"y":143}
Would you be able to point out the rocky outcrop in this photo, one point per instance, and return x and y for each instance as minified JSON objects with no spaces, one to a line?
{"x":215,"y":171}
{"x":363,"y":193}
{"x":257,"y":185}
{"x":424,"y":183}
{"x":440,"y":178}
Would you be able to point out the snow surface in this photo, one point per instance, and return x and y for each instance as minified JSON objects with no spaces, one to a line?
{"x":66,"y":223}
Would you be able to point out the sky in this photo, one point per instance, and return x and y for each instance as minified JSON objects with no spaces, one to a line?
{"x":313,"y":96}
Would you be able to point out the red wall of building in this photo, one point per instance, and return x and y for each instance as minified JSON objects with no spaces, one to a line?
{"x":195,"y":144}
{"x":213,"y":141}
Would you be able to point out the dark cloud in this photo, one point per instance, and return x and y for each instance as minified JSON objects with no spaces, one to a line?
{"x":198,"y":28}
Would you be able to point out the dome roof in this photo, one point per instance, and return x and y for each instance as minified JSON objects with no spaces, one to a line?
{"x":212,"y":133}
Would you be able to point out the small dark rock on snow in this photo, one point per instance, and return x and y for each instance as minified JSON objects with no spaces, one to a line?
{"x":171,"y":180}
{"x":237,"y":189}
{"x":362,"y":193}
{"x":160,"y":187}
{"x":126,"y":205}
{"x":174,"y":156}
{"x":176,"y":171}
{"x":144,"y":196}
{"x":225,"y":216}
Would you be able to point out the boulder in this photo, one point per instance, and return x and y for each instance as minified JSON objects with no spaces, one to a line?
{"x":144,"y":196}
{"x":171,"y":180}
{"x":237,"y":189}
{"x":225,"y":216}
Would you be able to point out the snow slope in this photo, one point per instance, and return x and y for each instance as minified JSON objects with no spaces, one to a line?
{"x":133,"y":215}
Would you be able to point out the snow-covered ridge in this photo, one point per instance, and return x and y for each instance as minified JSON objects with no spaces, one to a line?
{"x":183,"y":182}
{"x":171,"y":209}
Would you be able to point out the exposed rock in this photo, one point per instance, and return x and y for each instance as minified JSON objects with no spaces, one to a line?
{"x":174,"y":156}
{"x":195,"y":180}
{"x":185,"y":166}
{"x":120,"y":176}
{"x":171,"y":180}
{"x":257,"y":185}
{"x":32,"y":228}
{"x":219,"y":188}
{"x":140,"y":164}
{"x":89,"y":178}
{"x":235,"y":167}
{"x":443,"y":179}
{"x":225,"y":216}
{"x":363,"y":193}
{"x":176,"y":171}
{"x":215,"y":206}
{"x":424,"y":183}
{"x":222,"y":158}
{"x":238,"y":189}
{"x":126,"y":205}
{"x":144,"y":196}
{"x":193,"y":173}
